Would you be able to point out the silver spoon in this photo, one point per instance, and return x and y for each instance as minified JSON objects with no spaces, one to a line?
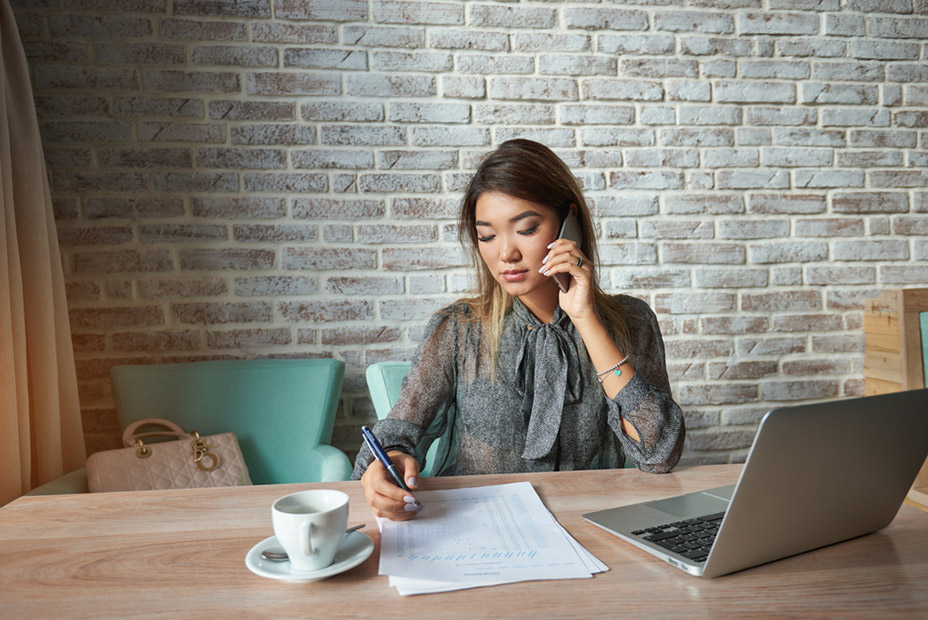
{"x":276,"y":554}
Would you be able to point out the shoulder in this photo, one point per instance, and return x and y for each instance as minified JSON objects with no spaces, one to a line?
{"x":633,"y":308}
{"x":449,"y":319}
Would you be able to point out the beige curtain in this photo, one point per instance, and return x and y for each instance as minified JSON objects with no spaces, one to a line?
{"x":40,"y":424}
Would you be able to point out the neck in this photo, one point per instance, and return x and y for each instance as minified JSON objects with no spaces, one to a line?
{"x":542,"y":302}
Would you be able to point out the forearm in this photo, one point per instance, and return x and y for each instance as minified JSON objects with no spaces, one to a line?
{"x":605,"y":353}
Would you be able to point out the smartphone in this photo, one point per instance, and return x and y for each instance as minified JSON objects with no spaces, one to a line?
{"x":570,"y":229}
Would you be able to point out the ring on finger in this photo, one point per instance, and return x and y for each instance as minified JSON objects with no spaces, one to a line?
{"x":579,"y":262}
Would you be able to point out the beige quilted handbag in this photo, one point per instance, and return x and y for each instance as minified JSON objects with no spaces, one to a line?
{"x":190,"y":462}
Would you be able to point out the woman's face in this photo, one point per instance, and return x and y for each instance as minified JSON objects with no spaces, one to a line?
{"x":513,"y":237}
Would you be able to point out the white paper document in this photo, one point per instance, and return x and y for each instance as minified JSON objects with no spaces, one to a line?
{"x":465,"y":538}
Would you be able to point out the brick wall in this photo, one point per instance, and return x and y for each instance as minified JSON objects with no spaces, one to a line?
{"x":248,"y":178}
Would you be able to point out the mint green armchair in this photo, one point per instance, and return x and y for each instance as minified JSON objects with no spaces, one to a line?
{"x":384,"y":381}
{"x":281,"y":410}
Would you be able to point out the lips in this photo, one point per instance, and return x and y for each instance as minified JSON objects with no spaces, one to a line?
{"x":514,"y":275}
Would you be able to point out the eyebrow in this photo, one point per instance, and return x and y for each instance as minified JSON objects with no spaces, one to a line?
{"x":521,"y":216}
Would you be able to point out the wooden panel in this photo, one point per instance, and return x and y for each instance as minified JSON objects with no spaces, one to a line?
{"x":896,"y":357}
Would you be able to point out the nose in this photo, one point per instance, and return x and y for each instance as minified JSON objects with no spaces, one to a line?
{"x":509,"y":250}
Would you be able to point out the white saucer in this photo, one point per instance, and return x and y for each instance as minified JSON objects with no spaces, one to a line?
{"x":354,"y":549}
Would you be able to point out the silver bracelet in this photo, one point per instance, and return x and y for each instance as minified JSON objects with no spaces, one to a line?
{"x":613,"y":369}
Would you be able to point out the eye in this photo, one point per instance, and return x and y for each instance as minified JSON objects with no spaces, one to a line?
{"x":486,"y":238}
{"x":528,"y":231}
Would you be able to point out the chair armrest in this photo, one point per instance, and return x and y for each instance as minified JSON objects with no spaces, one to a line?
{"x":330,"y":464}
{"x":73,"y":482}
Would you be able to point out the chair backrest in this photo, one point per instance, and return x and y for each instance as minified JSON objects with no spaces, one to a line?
{"x":281,"y":410}
{"x":385,"y":380}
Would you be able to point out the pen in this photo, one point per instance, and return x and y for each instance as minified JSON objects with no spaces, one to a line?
{"x":378,"y":451}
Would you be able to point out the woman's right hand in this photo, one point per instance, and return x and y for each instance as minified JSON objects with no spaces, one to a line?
{"x":385,"y":498}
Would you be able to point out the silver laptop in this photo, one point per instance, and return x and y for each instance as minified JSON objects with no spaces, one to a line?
{"x":816,"y":475}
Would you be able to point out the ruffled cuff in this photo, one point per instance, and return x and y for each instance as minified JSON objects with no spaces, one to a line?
{"x":394,"y":435}
{"x":659,"y":423}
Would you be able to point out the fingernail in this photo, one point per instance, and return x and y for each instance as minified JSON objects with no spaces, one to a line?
{"x":551,"y":245}
{"x":409,"y":499}
{"x":412,"y":482}
{"x":544,"y":260}
{"x":548,"y":272}
{"x":541,"y":269}
{"x":412,"y":507}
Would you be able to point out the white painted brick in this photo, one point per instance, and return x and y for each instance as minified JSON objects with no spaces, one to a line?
{"x":383,"y":36}
{"x":780,"y":116}
{"x":662,"y":158}
{"x":548,"y":42}
{"x":778,"y":23}
{"x":515,"y":114}
{"x":819,"y":93}
{"x":782,"y":157}
{"x":694,"y":21}
{"x":775,"y":69}
{"x":727,"y":91}
{"x":374,"y":85}
{"x":463,"y":87}
{"x":407,"y":62}
{"x":851,"y":117}
{"x":552,"y":137}
{"x":692,"y":136}
{"x":604,"y":19}
{"x":809,"y":137}
{"x":410,"y":112}
{"x":884,"y":50}
{"x":449,"y":136}
{"x":634,"y":90}
{"x":688,"y":90}
{"x":746,"y":179}
{"x":605,"y":136}
{"x":482,"y":15}
{"x":488,"y":64}
{"x":558,"y":64}
{"x":636,"y":44}
{"x":450,"y":38}
{"x":714,"y":46}
{"x":850,"y":71}
{"x":710,"y":115}
{"x":406,"y":12}
{"x":550,"y":89}
{"x":828,"y":178}
{"x":846,"y":25}
{"x":811,"y":46}
{"x":596,"y":114}
{"x":730,"y":158}
{"x":657,"y":115}
{"x":417,"y":160}
{"x":898,"y":27}
{"x":645,"y":180}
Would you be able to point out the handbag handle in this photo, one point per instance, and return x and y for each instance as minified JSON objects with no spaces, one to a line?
{"x":129,"y":435}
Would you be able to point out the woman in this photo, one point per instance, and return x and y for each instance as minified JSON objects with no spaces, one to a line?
{"x":525,"y":377}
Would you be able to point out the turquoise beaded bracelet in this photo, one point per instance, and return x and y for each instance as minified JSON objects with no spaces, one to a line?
{"x":613,"y":369}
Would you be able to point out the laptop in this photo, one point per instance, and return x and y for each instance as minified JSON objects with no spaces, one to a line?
{"x":816,"y":475}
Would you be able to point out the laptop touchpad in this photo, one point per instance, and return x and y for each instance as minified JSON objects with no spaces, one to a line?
{"x":690,"y":505}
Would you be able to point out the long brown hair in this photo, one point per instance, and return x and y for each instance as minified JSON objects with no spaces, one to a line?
{"x":530,"y":171}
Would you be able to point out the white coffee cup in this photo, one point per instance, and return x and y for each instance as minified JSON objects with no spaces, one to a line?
{"x":310,"y":525}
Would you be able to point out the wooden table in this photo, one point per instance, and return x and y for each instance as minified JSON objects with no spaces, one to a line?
{"x":181,"y":554}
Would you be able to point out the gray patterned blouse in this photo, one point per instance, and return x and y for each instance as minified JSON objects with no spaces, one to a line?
{"x":545,"y":411}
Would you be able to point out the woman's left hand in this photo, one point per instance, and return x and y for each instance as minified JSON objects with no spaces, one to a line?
{"x":564,"y":256}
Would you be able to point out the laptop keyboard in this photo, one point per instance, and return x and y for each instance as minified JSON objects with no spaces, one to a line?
{"x":691,"y":538}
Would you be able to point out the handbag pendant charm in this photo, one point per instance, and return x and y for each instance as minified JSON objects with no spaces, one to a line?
{"x":201,"y":454}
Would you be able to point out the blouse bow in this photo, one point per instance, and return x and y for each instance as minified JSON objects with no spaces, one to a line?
{"x":547,"y":378}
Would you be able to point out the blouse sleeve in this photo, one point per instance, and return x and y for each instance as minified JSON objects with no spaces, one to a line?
{"x":646,"y":402}
{"x":427,"y":392}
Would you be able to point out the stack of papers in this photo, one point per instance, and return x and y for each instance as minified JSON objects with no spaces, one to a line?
{"x":481,"y":536}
